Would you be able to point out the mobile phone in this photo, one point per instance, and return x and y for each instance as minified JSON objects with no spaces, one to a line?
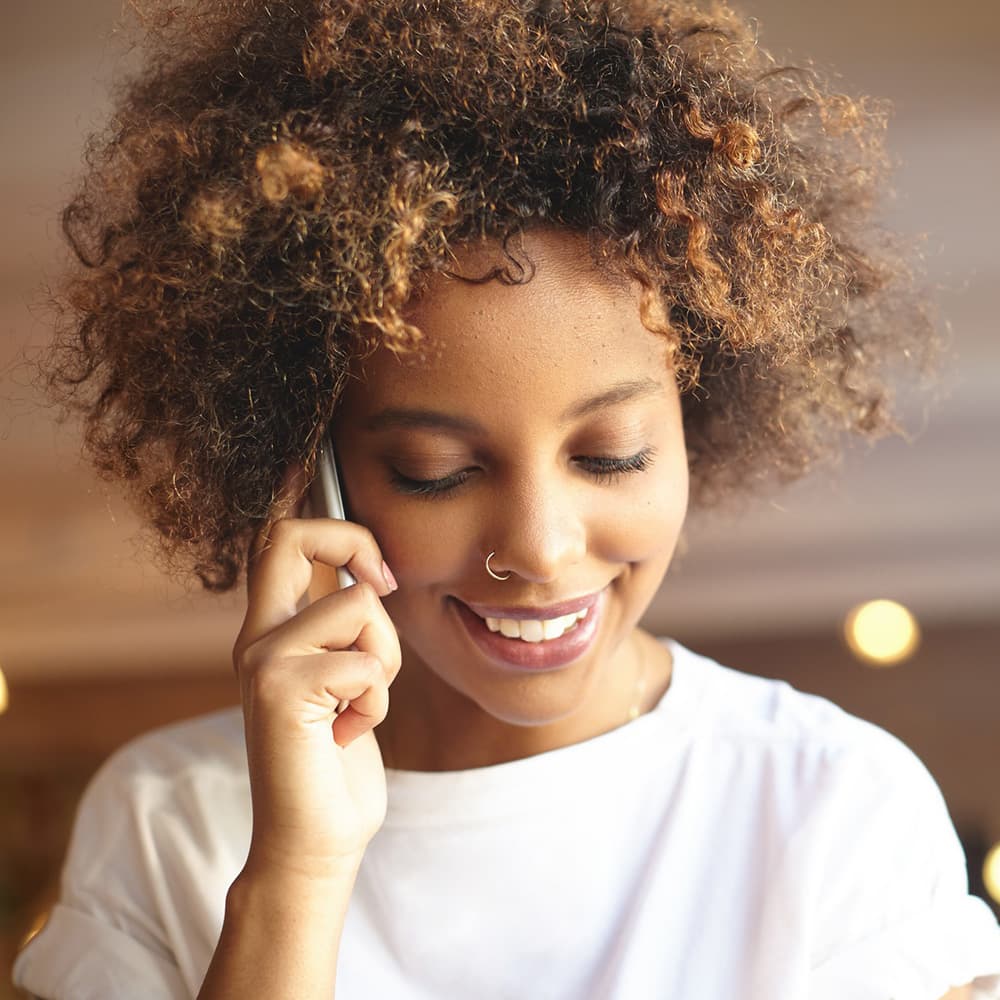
{"x":328,"y":499}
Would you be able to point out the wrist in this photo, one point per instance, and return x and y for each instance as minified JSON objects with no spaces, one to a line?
{"x":301,"y":874}
{"x":281,"y":932}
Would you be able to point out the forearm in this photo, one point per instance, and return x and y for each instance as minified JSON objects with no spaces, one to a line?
{"x":280,"y":937}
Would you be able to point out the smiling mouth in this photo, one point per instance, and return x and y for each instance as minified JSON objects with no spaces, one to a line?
{"x":512,"y":639}
{"x":535,"y":629}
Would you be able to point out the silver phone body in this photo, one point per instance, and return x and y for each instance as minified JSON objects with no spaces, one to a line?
{"x":328,"y":500}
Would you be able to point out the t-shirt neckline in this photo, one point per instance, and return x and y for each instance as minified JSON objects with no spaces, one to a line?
{"x":436,"y":798}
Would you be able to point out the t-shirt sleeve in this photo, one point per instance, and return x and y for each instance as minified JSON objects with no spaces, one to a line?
{"x":103,"y":938}
{"x":898,"y":920}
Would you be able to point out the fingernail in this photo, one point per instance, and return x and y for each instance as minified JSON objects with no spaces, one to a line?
{"x":390,"y":580}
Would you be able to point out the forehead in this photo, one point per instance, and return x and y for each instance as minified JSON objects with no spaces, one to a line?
{"x":569,"y":330}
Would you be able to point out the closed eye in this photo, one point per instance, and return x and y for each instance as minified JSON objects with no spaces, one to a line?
{"x":433,"y":488}
{"x":603,"y":469}
{"x":608,"y":470}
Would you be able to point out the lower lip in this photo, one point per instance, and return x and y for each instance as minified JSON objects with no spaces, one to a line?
{"x":520,"y":655}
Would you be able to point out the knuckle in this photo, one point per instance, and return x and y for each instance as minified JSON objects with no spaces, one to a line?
{"x":370,"y":664}
{"x":365,"y":536}
{"x":392,"y":659}
{"x":366,"y":594}
{"x":394,"y":666}
{"x":366,"y":542}
{"x":266,"y":685}
{"x":239,"y":649}
{"x":281,"y":532}
{"x":241,"y":657}
{"x":271,"y":535}
{"x":383,"y":708}
{"x":250,"y":660}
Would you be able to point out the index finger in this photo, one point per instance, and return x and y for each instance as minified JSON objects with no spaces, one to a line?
{"x":282,"y":566}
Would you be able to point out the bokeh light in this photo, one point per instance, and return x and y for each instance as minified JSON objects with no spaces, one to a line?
{"x":39,"y":920}
{"x":881,"y":632}
{"x":991,"y":872}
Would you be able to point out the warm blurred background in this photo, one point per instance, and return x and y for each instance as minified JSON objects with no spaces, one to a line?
{"x":97,"y":646}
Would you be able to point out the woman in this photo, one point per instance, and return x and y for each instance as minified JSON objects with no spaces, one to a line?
{"x":535,"y":268}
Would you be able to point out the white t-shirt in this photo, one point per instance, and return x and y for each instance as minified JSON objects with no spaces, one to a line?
{"x":742,"y":841}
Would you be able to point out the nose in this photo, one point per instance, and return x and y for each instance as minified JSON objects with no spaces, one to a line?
{"x":537,"y":530}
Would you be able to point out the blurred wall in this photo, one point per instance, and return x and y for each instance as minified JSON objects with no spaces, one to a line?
{"x":98,"y":645}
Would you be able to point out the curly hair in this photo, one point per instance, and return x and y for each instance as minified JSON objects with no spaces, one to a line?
{"x":276,"y":180}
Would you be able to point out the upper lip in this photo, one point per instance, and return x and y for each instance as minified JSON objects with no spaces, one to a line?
{"x":526,"y":611}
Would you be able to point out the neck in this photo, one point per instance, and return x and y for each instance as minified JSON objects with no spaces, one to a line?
{"x":432,"y":726}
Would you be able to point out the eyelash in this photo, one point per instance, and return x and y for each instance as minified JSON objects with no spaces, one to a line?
{"x":604,"y":470}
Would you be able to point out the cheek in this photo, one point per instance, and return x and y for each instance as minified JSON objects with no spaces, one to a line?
{"x":418,"y":539}
{"x":422,"y":542}
{"x":647,"y":525}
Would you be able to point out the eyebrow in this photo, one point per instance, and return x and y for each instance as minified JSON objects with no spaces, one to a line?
{"x":621,"y":392}
{"x":419,"y":418}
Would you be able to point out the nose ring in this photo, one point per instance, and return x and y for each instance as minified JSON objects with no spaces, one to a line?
{"x":494,"y":575}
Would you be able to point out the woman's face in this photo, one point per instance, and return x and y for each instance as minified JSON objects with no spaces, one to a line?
{"x":543,"y":423}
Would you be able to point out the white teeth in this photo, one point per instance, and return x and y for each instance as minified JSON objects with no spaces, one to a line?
{"x":510,"y":628}
{"x":535,"y":630}
{"x":554,"y":627}
{"x":532,"y":631}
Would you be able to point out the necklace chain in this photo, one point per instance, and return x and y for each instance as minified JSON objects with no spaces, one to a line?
{"x":640,"y":685}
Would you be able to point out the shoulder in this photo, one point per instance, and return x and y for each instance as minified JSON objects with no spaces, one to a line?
{"x":215,"y":738}
{"x":859,"y":833}
{"x":172,"y":805}
{"x":159,"y":834}
{"x":191,"y":767}
{"x":802,"y":737}
{"x":208,"y":745}
{"x":768,"y":712}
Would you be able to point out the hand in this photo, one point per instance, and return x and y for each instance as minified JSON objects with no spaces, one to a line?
{"x":317,"y":781}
